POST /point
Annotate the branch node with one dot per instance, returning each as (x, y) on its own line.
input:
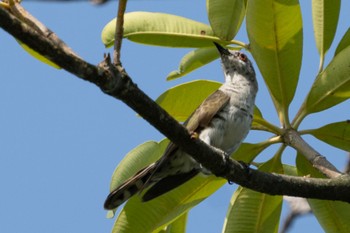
(114, 79)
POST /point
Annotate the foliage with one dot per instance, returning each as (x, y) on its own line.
(275, 32)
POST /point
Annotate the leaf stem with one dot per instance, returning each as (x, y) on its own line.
(240, 43)
(272, 128)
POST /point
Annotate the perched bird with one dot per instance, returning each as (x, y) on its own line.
(223, 120)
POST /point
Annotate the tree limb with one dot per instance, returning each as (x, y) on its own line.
(114, 81)
(292, 138)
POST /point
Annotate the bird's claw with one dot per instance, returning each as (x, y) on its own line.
(243, 165)
(194, 135)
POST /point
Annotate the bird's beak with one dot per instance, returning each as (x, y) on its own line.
(221, 49)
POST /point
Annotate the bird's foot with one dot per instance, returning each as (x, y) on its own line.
(194, 135)
(244, 166)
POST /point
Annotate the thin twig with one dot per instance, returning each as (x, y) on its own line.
(119, 30)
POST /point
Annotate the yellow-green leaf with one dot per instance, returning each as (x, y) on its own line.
(162, 30)
(345, 42)
(336, 134)
(38, 55)
(259, 123)
(275, 34)
(136, 159)
(178, 226)
(251, 211)
(138, 216)
(248, 151)
(332, 86)
(333, 216)
(325, 15)
(193, 60)
(180, 101)
(226, 17)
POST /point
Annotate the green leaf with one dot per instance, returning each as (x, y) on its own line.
(275, 33)
(178, 226)
(136, 159)
(226, 17)
(137, 216)
(333, 216)
(332, 86)
(247, 152)
(290, 170)
(336, 134)
(259, 123)
(180, 101)
(162, 30)
(345, 42)
(251, 211)
(193, 60)
(37, 55)
(325, 15)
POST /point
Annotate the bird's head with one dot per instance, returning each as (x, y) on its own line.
(235, 62)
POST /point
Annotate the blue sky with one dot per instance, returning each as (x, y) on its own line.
(61, 137)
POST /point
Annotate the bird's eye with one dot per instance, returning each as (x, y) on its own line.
(243, 57)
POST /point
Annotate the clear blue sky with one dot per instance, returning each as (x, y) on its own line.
(61, 137)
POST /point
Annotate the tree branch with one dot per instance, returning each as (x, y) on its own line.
(292, 138)
(114, 81)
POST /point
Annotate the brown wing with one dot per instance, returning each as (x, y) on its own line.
(206, 111)
(198, 120)
(202, 116)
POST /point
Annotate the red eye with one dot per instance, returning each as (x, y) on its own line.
(243, 57)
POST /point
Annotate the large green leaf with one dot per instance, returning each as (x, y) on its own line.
(137, 216)
(226, 17)
(251, 211)
(178, 226)
(248, 151)
(332, 86)
(275, 33)
(332, 215)
(162, 30)
(325, 15)
(345, 42)
(193, 60)
(180, 101)
(336, 134)
(136, 159)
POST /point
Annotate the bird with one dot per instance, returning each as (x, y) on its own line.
(222, 120)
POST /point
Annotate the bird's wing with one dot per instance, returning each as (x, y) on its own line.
(206, 111)
(168, 183)
(199, 119)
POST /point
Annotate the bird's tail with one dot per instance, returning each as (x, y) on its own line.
(130, 187)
